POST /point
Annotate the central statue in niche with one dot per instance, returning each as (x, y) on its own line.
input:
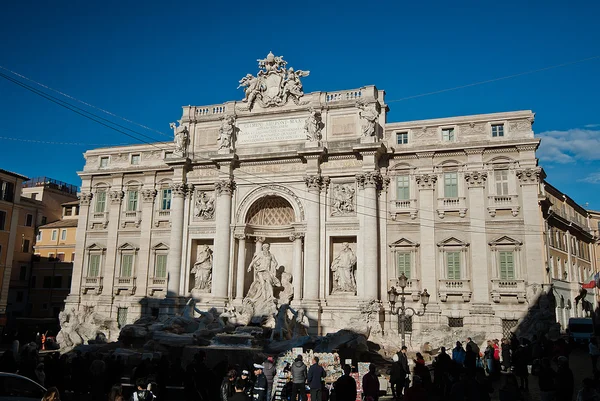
(265, 276)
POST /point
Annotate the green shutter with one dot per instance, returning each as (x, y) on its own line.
(100, 202)
(453, 265)
(507, 265)
(403, 263)
(403, 188)
(126, 265)
(450, 185)
(94, 266)
(160, 269)
(132, 198)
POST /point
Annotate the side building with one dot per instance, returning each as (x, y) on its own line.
(346, 202)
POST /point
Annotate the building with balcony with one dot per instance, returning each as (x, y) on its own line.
(453, 203)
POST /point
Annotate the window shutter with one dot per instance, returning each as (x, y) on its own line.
(160, 270)
(126, 263)
(403, 263)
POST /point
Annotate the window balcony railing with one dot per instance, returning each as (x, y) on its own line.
(508, 288)
(99, 217)
(452, 205)
(156, 284)
(94, 284)
(126, 284)
(406, 206)
(413, 287)
(459, 288)
(503, 202)
(134, 217)
(162, 216)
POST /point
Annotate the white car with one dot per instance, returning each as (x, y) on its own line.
(14, 387)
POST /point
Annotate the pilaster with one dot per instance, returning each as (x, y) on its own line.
(426, 186)
(223, 190)
(370, 182)
(143, 264)
(174, 259)
(111, 265)
(313, 241)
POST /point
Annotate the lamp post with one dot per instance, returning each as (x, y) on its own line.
(402, 310)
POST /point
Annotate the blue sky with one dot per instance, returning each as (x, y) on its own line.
(144, 60)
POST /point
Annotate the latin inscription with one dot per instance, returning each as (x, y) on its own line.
(291, 129)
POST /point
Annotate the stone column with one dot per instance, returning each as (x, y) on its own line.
(370, 183)
(297, 266)
(241, 266)
(224, 189)
(426, 185)
(110, 266)
(312, 240)
(174, 259)
(85, 199)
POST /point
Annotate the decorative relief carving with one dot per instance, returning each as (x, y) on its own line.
(116, 196)
(475, 179)
(368, 115)
(148, 195)
(424, 133)
(520, 125)
(472, 129)
(204, 206)
(426, 181)
(178, 189)
(224, 187)
(313, 126)
(342, 199)
(181, 137)
(313, 182)
(274, 84)
(529, 175)
(85, 198)
(369, 180)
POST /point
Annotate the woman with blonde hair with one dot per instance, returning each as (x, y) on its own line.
(51, 394)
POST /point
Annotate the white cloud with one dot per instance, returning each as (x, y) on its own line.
(593, 178)
(569, 146)
(592, 125)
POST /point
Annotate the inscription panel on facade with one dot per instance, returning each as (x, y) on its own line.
(290, 129)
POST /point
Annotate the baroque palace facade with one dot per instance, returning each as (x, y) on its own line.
(345, 200)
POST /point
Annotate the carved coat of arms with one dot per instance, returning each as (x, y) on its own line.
(274, 84)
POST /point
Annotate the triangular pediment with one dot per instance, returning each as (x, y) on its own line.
(452, 241)
(128, 247)
(161, 246)
(505, 240)
(95, 247)
(403, 242)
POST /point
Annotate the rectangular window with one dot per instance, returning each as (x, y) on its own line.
(25, 245)
(73, 257)
(34, 196)
(23, 273)
(19, 296)
(39, 236)
(47, 282)
(100, 202)
(507, 265)
(50, 256)
(57, 282)
(103, 162)
(160, 266)
(60, 257)
(7, 191)
(121, 317)
(132, 201)
(94, 266)
(497, 130)
(451, 185)
(126, 265)
(54, 235)
(135, 159)
(29, 220)
(455, 322)
(165, 199)
(2, 220)
(448, 135)
(501, 179)
(403, 187)
(44, 220)
(63, 235)
(453, 265)
(68, 211)
(403, 263)
(402, 138)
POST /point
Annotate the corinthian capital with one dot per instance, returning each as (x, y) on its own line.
(313, 182)
(116, 196)
(224, 187)
(85, 198)
(426, 181)
(369, 180)
(475, 179)
(148, 195)
(178, 189)
(529, 175)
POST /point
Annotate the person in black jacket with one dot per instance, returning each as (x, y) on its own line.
(315, 375)
(240, 391)
(299, 379)
(227, 387)
(396, 377)
(345, 386)
(259, 391)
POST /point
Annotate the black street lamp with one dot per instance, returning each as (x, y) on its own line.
(402, 309)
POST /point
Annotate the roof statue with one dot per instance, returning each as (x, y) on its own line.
(274, 84)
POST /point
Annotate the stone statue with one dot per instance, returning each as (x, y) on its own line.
(274, 83)
(286, 295)
(181, 135)
(265, 269)
(204, 206)
(301, 323)
(202, 269)
(312, 126)
(81, 326)
(343, 199)
(370, 312)
(369, 116)
(226, 133)
(229, 315)
(343, 270)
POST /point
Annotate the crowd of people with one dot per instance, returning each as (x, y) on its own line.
(467, 372)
